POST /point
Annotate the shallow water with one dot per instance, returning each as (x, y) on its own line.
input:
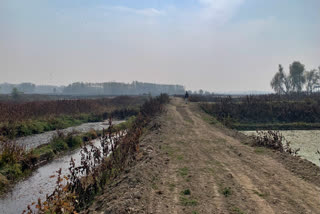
(34, 141)
(307, 140)
(38, 184)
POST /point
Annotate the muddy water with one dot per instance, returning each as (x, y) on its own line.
(38, 184)
(36, 140)
(307, 140)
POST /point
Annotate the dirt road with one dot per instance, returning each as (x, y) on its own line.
(190, 166)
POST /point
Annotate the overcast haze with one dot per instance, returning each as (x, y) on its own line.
(216, 45)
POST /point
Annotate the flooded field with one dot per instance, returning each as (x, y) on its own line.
(307, 140)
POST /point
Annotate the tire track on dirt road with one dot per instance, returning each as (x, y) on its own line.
(196, 167)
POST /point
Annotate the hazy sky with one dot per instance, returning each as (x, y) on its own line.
(216, 45)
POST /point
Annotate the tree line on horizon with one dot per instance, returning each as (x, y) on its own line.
(29, 88)
(297, 80)
(81, 88)
(117, 88)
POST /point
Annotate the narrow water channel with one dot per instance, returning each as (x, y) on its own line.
(34, 141)
(39, 184)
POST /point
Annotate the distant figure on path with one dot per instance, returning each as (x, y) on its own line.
(186, 97)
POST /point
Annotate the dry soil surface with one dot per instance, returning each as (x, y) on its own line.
(187, 165)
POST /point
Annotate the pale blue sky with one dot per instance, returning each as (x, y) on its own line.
(217, 45)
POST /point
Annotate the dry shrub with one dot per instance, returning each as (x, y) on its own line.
(11, 152)
(13, 112)
(274, 140)
(99, 166)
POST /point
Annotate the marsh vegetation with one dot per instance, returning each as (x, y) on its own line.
(74, 191)
(285, 112)
(27, 118)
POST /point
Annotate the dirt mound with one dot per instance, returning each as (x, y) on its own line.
(186, 165)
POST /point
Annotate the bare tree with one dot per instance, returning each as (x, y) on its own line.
(279, 82)
(312, 78)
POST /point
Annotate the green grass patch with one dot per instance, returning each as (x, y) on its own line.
(58, 144)
(73, 141)
(188, 202)
(237, 210)
(12, 171)
(227, 191)
(37, 126)
(210, 119)
(154, 186)
(43, 149)
(154, 183)
(208, 170)
(259, 150)
(125, 125)
(180, 157)
(259, 194)
(171, 187)
(211, 170)
(186, 192)
(183, 171)
(181, 142)
(168, 149)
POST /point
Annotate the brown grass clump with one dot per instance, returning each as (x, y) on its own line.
(274, 140)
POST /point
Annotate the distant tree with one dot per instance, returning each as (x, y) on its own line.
(201, 92)
(279, 82)
(295, 81)
(288, 84)
(15, 93)
(297, 76)
(312, 79)
(26, 87)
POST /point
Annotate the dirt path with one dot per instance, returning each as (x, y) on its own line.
(190, 166)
